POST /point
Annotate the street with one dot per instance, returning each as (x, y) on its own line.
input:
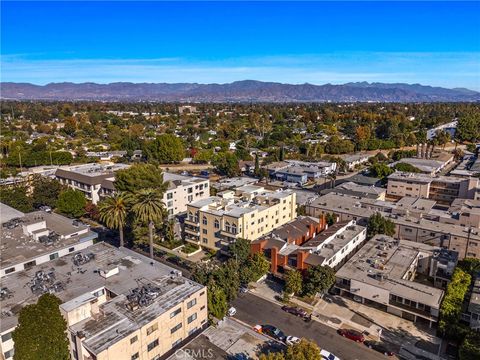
(254, 310)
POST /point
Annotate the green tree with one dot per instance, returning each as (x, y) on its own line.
(272, 356)
(166, 149)
(45, 191)
(72, 203)
(256, 171)
(147, 205)
(470, 348)
(16, 197)
(405, 167)
(380, 170)
(226, 164)
(240, 250)
(138, 177)
(258, 265)
(113, 212)
(304, 350)
(41, 331)
(442, 137)
(331, 219)
(217, 301)
(468, 128)
(318, 279)
(293, 282)
(377, 224)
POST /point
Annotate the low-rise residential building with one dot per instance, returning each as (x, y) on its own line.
(249, 212)
(353, 189)
(306, 242)
(88, 178)
(443, 189)
(463, 212)
(183, 190)
(415, 226)
(39, 237)
(384, 273)
(472, 315)
(450, 128)
(118, 304)
(354, 160)
(300, 171)
(426, 166)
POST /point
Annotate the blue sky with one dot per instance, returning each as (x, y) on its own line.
(434, 43)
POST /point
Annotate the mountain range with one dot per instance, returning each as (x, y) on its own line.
(239, 91)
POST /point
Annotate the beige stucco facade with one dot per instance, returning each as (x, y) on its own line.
(249, 213)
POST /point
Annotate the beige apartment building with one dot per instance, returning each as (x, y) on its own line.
(248, 212)
(414, 221)
(443, 189)
(118, 304)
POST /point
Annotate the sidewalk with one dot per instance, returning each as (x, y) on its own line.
(376, 324)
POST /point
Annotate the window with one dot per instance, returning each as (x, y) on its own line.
(204, 231)
(153, 328)
(189, 190)
(191, 303)
(204, 220)
(29, 265)
(227, 227)
(190, 198)
(6, 337)
(192, 331)
(170, 203)
(217, 224)
(8, 354)
(205, 240)
(192, 318)
(135, 356)
(177, 342)
(234, 228)
(99, 293)
(169, 196)
(8, 271)
(53, 256)
(133, 339)
(175, 313)
(202, 293)
(175, 328)
(72, 249)
(152, 345)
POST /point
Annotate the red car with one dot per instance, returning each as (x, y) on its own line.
(352, 334)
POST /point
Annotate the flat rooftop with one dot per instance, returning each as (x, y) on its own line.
(17, 247)
(392, 259)
(423, 178)
(8, 213)
(90, 174)
(78, 283)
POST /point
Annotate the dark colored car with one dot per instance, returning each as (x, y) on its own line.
(380, 347)
(352, 334)
(295, 311)
(274, 332)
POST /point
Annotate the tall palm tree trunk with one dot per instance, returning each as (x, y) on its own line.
(150, 236)
(120, 230)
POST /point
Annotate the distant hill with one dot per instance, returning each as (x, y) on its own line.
(239, 91)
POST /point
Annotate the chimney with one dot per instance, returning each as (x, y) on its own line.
(301, 257)
(274, 260)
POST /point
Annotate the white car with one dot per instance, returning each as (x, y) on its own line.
(292, 340)
(232, 311)
(328, 355)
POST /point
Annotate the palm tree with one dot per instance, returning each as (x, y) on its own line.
(148, 209)
(113, 212)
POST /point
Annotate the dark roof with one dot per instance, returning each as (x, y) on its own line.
(295, 228)
(314, 259)
(360, 179)
(84, 179)
(108, 184)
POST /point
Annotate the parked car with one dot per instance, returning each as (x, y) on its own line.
(328, 355)
(46, 208)
(380, 347)
(244, 289)
(232, 311)
(352, 334)
(295, 311)
(292, 340)
(274, 332)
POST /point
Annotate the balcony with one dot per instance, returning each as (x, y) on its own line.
(192, 222)
(193, 230)
(228, 234)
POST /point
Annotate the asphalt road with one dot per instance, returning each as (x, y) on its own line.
(254, 310)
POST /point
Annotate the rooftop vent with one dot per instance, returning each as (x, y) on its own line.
(5, 293)
(45, 282)
(80, 258)
(142, 296)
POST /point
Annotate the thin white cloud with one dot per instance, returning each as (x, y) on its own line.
(439, 69)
